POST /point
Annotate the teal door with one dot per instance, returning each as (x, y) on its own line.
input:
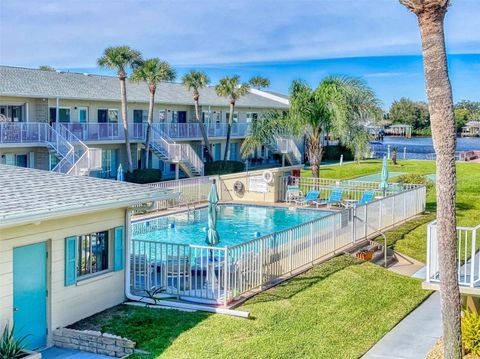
(30, 294)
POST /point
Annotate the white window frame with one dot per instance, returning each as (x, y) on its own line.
(57, 120)
(108, 114)
(80, 109)
(110, 243)
(249, 116)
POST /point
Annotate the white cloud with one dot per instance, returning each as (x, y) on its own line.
(73, 33)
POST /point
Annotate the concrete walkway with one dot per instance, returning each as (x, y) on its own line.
(60, 353)
(415, 335)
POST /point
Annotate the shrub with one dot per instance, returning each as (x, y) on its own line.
(471, 333)
(11, 347)
(414, 178)
(224, 167)
(142, 176)
(332, 153)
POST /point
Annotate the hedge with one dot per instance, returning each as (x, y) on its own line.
(223, 167)
(142, 176)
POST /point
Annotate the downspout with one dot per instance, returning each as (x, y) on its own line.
(163, 303)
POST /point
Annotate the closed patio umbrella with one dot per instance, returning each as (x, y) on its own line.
(120, 176)
(212, 235)
(384, 176)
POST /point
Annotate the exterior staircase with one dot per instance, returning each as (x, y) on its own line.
(168, 150)
(75, 157)
(288, 148)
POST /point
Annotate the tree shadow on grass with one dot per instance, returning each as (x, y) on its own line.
(302, 282)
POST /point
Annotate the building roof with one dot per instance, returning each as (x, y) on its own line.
(25, 82)
(28, 195)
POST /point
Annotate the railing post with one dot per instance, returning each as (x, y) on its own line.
(353, 211)
(429, 252)
(405, 206)
(393, 209)
(380, 214)
(290, 251)
(472, 258)
(311, 243)
(225, 279)
(365, 228)
(261, 260)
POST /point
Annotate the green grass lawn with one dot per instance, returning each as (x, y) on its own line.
(338, 309)
(410, 238)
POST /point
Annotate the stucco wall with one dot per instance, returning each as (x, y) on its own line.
(66, 304)
(272, 190)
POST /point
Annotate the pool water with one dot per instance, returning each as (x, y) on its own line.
(236, 224)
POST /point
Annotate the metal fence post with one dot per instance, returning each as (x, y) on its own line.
(311, 243)
(225, 279)
(261, 262)
(393, 210)
(472, 258)
(429, 259)
(365, 229)
(353, 211)
(290, 251)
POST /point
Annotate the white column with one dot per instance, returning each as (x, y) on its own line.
(57, 110)
(27, 119)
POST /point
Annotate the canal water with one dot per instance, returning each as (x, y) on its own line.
(419, 147)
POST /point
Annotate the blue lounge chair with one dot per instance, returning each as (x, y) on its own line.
(335, 198)
(311, 197)
(367, 197)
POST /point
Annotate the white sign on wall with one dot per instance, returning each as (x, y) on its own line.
(257, 184)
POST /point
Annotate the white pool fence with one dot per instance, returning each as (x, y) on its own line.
(220, 275)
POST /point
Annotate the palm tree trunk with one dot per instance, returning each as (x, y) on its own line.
(123, 92)
(229, 131)
(315, 152)
(204, 132)
(440, 105)
(149, 126)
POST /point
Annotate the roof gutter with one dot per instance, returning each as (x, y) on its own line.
(65, 212)
(163, 303)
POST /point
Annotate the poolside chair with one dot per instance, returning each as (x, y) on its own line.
(335, 198)
(367, 197)
(310, 198)
(293, 193)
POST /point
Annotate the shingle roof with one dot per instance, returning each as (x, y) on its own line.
(28, 195)
(24, 82)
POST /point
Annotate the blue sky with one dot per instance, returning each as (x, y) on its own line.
(281, 39)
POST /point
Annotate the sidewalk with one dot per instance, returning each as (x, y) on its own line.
(60, 353)
(415, 335)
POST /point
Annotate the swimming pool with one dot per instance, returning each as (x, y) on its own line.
(236, 224)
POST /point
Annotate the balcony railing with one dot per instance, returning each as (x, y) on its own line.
(468, 256)
(192, 130)
(106, 131)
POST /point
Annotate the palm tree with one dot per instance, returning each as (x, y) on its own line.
(266, 129)
(340, 104)
(120, 58)
(259, 82)
(230, 87)
(431, 15)
(152, 71)
(194, 81)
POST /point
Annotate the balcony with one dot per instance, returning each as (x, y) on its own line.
(468, 259)
(99, 132)
(192, 130)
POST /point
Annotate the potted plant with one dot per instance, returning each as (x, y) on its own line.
(14, 348)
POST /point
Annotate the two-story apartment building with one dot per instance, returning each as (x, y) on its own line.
(54, 120)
